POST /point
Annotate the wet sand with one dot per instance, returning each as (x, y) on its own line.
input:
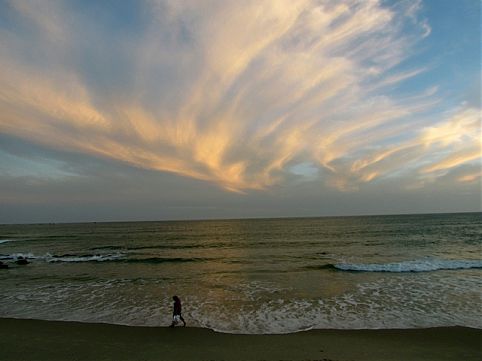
(54, 340)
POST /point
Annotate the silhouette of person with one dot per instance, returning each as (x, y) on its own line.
(176, 314)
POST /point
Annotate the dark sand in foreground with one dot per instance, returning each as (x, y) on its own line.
(51, 340)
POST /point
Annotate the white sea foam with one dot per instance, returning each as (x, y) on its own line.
(6, 240)
(424, 265)
(390, 302)
(299, 291)
(67, 258)
(87, 258)
(16, 256)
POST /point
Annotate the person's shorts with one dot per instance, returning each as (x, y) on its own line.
(176, 318)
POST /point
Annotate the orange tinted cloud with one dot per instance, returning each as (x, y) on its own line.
(233, 93)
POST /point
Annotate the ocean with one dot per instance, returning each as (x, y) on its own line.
(250, 276)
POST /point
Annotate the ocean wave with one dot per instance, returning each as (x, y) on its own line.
(164, 260)
(322, 266)
(6, 240)
(105, 247)
(386, 302)
(63, 258)
(408, 266)
(15, 256)
(149, 247)
(111, 257)
(121, 258)
(179, 246)
(85, 258)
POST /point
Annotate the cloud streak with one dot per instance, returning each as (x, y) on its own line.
(235, 93)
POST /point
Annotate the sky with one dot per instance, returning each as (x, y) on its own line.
(158, 110)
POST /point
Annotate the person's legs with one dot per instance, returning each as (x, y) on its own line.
(175, 320)
(182, 319)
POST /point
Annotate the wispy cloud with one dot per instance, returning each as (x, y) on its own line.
(236, 93)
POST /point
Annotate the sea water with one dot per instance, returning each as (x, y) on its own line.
(250, 276)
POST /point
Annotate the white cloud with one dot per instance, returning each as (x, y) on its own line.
(236, 93)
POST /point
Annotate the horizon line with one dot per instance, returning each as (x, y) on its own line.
(240, 218)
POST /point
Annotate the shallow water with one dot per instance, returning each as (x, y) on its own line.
(250, 276)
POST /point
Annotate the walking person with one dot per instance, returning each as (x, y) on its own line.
(176, 314)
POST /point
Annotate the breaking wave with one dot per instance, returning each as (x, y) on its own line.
(15, 256)
(111, 257)
(85, 258)
(63, 258)
(408, 266)
(6, 240)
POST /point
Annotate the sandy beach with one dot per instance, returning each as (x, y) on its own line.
(54, 340)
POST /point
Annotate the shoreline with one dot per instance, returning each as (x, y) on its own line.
(27, 339)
